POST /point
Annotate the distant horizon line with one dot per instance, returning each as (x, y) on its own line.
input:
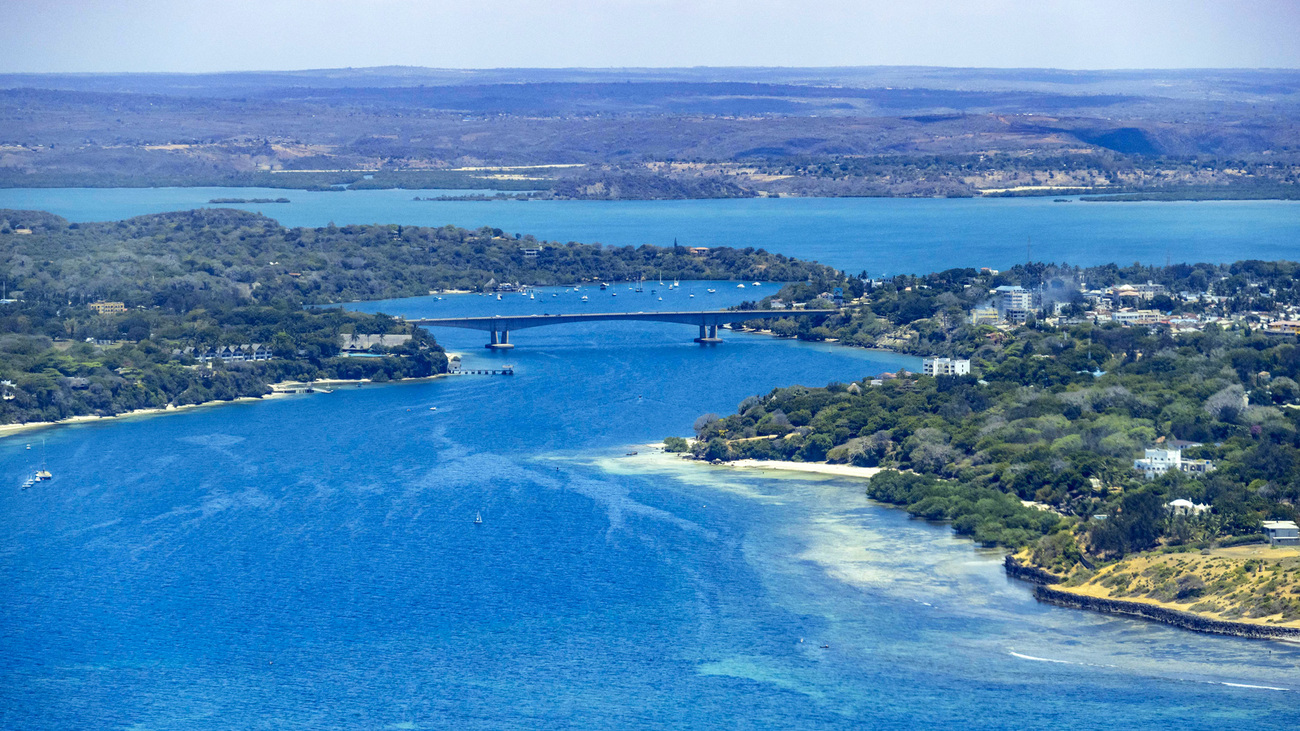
(1061, 69)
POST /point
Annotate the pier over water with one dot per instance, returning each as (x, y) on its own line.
(707, 320)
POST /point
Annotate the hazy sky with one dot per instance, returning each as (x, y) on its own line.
(220, 35)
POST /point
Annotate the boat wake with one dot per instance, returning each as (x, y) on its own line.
(1208, 682)
(1022, 656)
(1039, 659)
(1256, 687)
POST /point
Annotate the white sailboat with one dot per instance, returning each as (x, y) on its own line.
(478, 519)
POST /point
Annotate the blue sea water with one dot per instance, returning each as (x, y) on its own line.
(312, 562)
(879, 235)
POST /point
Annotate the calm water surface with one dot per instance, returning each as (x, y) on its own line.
(311, 562)
(880, 235)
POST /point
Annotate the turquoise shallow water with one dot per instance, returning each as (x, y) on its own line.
(880, 235)
(311, 562)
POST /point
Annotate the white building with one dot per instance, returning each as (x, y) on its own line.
(1014, 302)
(1282, 532)
(1159, 461)
(1136, 317)
(946, 367)
(1186, 507)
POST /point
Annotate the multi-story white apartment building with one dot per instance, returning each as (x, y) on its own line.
(946, 366)
(1014, 302)
(1159, 461)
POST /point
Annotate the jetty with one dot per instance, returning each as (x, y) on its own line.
(503, 371)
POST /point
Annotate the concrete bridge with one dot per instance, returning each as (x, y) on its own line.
(708, 321)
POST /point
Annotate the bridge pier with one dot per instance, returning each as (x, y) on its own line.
(501, 342)
(708, 335)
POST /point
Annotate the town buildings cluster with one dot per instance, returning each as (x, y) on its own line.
(1131, 305)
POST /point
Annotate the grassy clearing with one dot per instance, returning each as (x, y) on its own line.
(1255, 584)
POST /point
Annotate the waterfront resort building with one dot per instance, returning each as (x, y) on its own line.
(108, 308)
(1282, 532)
(946, 367)
(1159, 461)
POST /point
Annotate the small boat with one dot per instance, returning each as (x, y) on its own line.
(756, 284)
(603, 286)
(631, 454)
(43, 475)
(478, 519)
(740, 286)
(433, 408)
(711, 291)
(498, 298)
(584, 298)
(692, 295)
(661, 299)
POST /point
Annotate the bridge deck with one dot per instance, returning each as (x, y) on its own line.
(498, 323)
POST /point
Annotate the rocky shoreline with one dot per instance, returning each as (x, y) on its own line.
(1182, 620)
(1032, 574)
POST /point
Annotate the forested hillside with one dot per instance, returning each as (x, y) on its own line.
(169, 258)
(194, 282)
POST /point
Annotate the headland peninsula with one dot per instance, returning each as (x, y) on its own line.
(1128, 434)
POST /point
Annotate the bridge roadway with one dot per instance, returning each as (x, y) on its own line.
(708, 321)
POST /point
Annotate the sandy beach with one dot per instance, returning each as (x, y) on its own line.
(8, 430)
(278, 390)
(821, 468)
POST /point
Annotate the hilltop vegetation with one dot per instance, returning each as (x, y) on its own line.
(165, 259)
